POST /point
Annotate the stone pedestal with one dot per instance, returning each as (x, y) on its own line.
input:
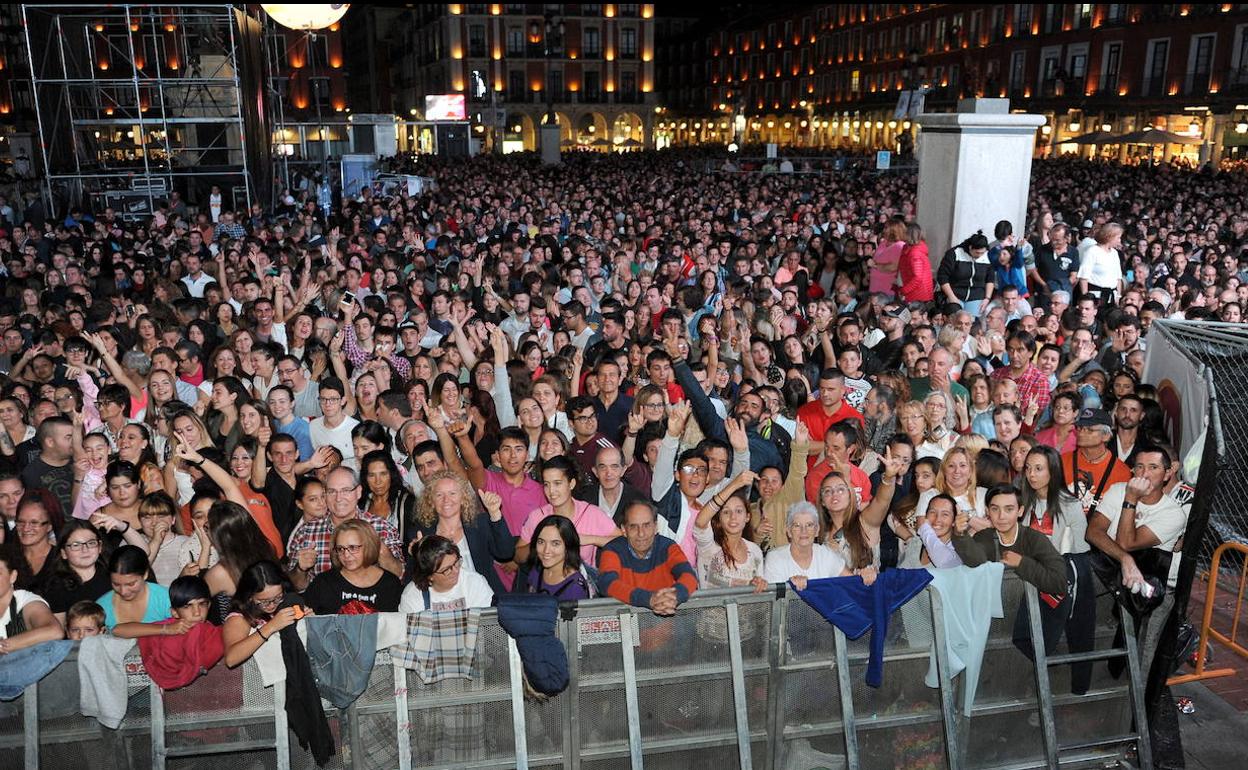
(548, 140)
(974, 171)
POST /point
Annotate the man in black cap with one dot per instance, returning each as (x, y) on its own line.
(893, 323)
(1092, 468)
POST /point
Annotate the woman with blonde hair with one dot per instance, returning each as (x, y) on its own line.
(957, 479)
(938, 414)
(449, 508)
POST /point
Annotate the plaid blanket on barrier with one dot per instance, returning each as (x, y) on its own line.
(440, 645)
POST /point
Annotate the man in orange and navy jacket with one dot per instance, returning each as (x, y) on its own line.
(644, 568)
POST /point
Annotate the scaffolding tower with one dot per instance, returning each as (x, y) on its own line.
(134, 102)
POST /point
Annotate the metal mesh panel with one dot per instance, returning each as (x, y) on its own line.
(1226, 354)
(809, 692)
(477, 726)
(685, 686)
(224, 705)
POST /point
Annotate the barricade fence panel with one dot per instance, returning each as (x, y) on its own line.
(732, 680)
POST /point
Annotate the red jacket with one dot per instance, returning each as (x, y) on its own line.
(176, 661)
(916, 274)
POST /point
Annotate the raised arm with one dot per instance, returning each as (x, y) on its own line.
(877, 510)
(709, 511)
(220, 477)
(114, 367)
(664, 470)
(503, 406)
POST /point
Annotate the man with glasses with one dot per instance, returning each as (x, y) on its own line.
(53, 468)
(573, 317)
(678, 498)
(587, 440)
(334, 427)
(309, 552)
(304, 393)
(1093, 468)
(190, 368)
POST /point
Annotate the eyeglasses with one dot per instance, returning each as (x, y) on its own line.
(693, 470)
(84, 545)
(32, 524)
(344, 549)
(329, 399)
(585, 418)
(267, 604)
(652, 406)
(346, 491)
(450, 570)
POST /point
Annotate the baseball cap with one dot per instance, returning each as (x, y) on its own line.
(1090, 417)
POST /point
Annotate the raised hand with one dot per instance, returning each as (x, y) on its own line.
(493, 504)
(801, 434)
(745, 478)
(677, 417)
(737, 437)
(635, 422)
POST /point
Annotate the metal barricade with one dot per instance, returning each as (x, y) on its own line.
(734, 679)
(1207, 631)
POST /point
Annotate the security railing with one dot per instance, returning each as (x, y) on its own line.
(732, 680)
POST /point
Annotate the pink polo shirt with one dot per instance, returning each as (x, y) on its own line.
(588, 520)
(518, 503)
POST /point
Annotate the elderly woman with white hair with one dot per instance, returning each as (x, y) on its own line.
(802, 559)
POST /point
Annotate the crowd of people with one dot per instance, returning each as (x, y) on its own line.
(618, 377)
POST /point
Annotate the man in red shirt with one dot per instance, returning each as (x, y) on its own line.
(838, 443)
(830, 407)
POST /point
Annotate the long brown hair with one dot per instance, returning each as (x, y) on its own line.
(721, 537)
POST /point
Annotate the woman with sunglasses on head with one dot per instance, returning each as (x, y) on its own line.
(355, 585)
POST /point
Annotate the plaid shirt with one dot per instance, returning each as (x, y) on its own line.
(359, 356)
(440, 645)
(1033, 386)
(319, 534)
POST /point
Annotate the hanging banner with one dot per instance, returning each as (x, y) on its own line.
(1181, 389)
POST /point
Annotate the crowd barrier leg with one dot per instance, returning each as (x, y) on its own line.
(1135, 679)
(738, 687)
(281, 730)
(1044, 689)
(630, 690)
(570, 700)
(30, 723)
(951, 712)
(519, 729)
(157, 724)
(775, 684)
(1206, 623)
(848, 721)
(402, 717)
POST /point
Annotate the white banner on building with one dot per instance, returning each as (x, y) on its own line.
(1181, 390)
